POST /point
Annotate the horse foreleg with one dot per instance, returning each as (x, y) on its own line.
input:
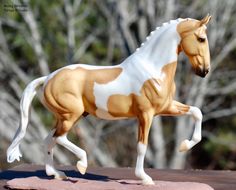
(177, 108)
(145, 120)
(197, 134)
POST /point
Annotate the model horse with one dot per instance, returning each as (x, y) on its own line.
(141, 87)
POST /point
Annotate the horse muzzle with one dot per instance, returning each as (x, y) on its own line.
(202, 72)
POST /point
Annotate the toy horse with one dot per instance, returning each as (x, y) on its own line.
(141, 87)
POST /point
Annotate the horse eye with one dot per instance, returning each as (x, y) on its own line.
(201, 39)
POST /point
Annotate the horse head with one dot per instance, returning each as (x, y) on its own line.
(195, 44)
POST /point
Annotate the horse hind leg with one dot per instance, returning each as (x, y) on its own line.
(49, 143)
(80, 153)
(61, 138)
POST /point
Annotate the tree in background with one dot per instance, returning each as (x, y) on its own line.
(49, 35)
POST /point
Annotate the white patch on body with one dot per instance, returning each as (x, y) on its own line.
(144, 64)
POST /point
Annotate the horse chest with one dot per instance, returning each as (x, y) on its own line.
(159, 93)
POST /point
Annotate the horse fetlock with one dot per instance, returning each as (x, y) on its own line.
(148, 182)
(146, 179)
(51, 171)
(60, 175)
(137, 173)
(84, 156)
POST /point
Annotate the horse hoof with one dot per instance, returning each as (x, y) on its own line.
(184, 146)
(82, 169)
(60, 176)
(148, 182)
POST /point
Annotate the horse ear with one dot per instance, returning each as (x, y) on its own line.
(205, 20)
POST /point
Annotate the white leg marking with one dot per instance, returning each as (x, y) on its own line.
(50, 170)
(80, 153)
(139, 171)
(197, 136)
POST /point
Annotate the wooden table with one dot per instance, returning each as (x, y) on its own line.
(219, 180)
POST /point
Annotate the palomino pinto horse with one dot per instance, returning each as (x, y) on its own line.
(142, 86)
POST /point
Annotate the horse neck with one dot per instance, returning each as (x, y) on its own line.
(159, 50)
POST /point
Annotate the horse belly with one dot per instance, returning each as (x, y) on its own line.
(118, 107)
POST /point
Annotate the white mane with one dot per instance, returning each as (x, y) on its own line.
(165, 24)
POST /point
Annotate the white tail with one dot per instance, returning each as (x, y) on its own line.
(13, 152)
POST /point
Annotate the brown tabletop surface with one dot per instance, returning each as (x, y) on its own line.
(219, 180)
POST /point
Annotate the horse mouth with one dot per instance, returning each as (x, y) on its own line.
(199, 66)
(202, 72)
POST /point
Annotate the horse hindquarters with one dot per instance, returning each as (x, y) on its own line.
(66, 103)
